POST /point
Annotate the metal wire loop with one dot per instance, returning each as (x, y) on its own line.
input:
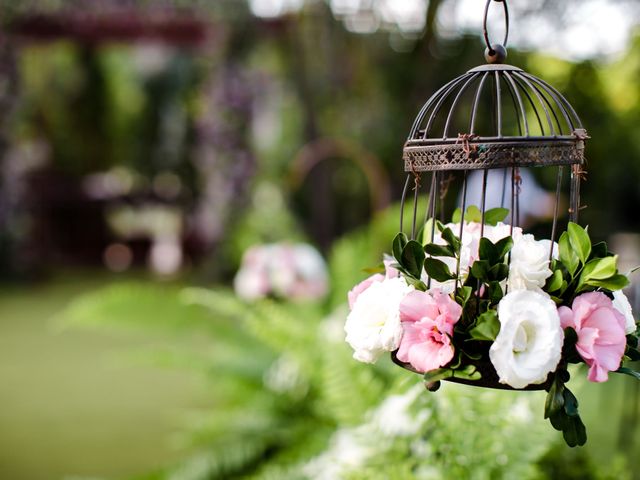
(506, 21)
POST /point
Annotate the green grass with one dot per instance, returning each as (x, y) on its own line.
(71, 403)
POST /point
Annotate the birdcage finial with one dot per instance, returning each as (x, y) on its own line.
(496, 52)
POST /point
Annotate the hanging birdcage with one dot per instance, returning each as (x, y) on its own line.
(527, 123)
(493, 117)
(468, 296)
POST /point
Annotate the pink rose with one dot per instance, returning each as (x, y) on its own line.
(428, 320)
(361, 287)
(601, 333)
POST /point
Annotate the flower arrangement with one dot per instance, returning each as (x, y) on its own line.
(485, 304)
(282, 270)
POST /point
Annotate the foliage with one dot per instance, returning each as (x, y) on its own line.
(576, 464)
(580, 267)
(288, 401)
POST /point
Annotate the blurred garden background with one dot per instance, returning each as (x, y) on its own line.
(147, 146)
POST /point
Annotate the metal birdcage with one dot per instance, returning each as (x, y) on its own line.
(493, 117)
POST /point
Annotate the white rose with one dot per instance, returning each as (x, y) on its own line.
(502, 230)
(373, 326)
(621, 303)
(529, 345)
(529, 267)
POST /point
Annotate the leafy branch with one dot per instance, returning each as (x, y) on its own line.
(561, 408)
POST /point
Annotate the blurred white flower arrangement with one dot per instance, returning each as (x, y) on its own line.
(282, 270)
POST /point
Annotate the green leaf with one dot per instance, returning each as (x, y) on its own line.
(463, 295)
(413, 258)
(570, 403)
(456, 362)
(480, 270)
(417, 283)
(567, 255)
(494, 253)
(473, 356)
(632, 348)
(628, 371)
(503, 247)
(599, 269)
(554, 282)
(561, 408)
(380, 268)
(499, 272)
(559, 420)
(457, 215)
(487, 327)
(451, 239)
(495, 215)
(617, 282)
(420, 235)
(575, 433)
(495, 292)
(398, 245)
(439, 250)
(487, 251)
(437, 375)
(428, 229)
(473, 214)
(467, 373)
(554, 402)
(438, 270)
(580, 241)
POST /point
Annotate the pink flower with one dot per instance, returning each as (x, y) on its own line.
(355, 292)
(428, 320)
(601, 333)
(390, 272)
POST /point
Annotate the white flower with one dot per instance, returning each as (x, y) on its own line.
(621, 303)
(373, 326)
(529, 345)
(251, 284)
(349, 449)
(529, 267)
(394, 418)
(502, 230)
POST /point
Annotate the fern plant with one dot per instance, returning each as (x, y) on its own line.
(288, 402)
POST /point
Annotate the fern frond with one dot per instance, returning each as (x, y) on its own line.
(135, 306)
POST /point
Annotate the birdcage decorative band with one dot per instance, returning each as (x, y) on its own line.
(476, 156)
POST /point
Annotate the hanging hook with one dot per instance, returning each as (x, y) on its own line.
(496, 53)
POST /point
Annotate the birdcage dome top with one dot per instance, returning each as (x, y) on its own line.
(494, 116)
